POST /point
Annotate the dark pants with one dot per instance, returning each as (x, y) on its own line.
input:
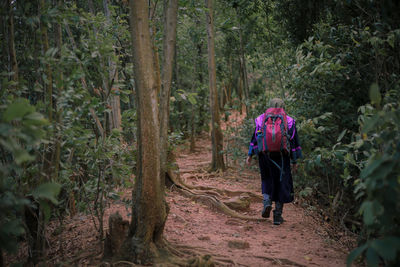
(279, 186)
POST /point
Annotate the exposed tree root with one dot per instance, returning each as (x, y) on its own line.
(208, 199)
(206, 258)
(217, 204)
(212, 190)
(224, 192)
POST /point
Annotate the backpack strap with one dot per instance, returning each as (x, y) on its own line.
(281, 169)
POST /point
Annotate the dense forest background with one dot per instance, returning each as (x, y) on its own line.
(69, 109)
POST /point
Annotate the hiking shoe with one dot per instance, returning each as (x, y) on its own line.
(278, 220)
(267, 209)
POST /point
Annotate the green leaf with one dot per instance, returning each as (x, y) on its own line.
(375, 95)
(355, 253)
(367, 211)
(22, 156)
(372, 257)
(391, 39)
(341, 135)
(384, 169)
(192, 99)
(387, 248)
(35, 118)
(47, 191)
(358, 144)
(318, 160)
(17, 110)
(372, 166)
(45, 207)
(13, 227)
(371, 124)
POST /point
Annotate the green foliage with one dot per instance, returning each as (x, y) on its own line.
(20, 136)
(331, 76)
(67, 155)
(298, 17)
(189, 92)
(379, 183)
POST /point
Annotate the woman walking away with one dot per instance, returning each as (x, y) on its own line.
(276, 142)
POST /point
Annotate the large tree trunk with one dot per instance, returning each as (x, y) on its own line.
(11, 43)
(217, 162)
(149, 209)
(153, 32)
(170, 21)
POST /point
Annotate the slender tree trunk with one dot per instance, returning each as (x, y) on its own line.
(114, 99)
(149, 209)
(192, 115)
(48, 93)
(243, 69)
(170, 21)
(240, 86)
(230, 80)
(49, 74)
(221, 101)
(59, 83)
(192, 131)
(217, 162)
(199, 64)
(11, 43)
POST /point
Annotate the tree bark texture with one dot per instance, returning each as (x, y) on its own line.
(114, 99)
(153, 32)
(149, 210)
(170, 22)
(217, 162)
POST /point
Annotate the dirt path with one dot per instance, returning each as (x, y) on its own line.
(299, 241)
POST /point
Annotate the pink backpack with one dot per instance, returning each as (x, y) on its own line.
(272, 131)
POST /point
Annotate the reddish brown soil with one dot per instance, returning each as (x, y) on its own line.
(302, 240)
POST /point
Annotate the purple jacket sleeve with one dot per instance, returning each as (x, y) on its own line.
(295, 148)
(253, 145)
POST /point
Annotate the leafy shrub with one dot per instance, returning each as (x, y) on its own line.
(21, 133)
(379, 183)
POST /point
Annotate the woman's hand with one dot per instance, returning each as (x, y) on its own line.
(248, 160)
